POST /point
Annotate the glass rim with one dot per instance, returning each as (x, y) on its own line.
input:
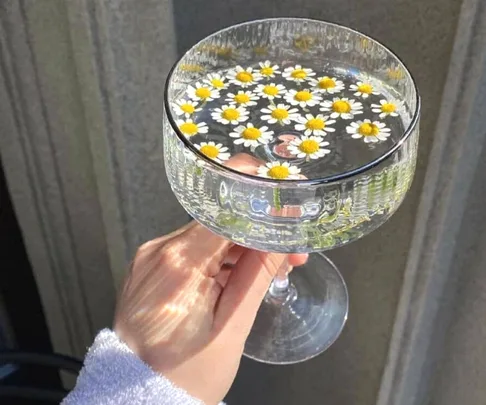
(235, 174)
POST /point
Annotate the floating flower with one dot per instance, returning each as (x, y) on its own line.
(185, 107)
(385, 108)
(279, 171)
(270, 91)
(216, 80)
(268, 70)
(370, 131)
(243, 98)
(230, 114)
(316, 125)
(202, 92)
(216, 152)
(342, 107)
(297, 73)
(309, 147)
(280, 113)
(363, 89)
(243, 77)
(326, 84)
(250, 136)
(190, 128)
(302, 98)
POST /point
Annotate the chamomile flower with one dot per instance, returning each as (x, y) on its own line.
(314, 125)
(243, 98)
(251, 136)
(309, 147)
(371, 132)
(363, 89)
(326, 84)
(298, 74)
(216, 80)
(185, 107)
(279, 171)
(216, 152)
(202, 92)
(230, 114)
(270, 91)
(342, 107)
(243, 77)
(280, 113)
(385, 108)
(302, 98)
(268, 70)
(189, 128)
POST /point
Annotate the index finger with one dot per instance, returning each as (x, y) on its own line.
(204, 246)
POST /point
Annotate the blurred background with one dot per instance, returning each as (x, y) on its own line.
(83, 184)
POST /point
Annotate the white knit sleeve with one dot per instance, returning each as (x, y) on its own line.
(114, 375)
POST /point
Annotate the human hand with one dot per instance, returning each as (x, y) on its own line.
(189, 303)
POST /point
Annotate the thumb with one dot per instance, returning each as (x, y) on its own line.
(245, 290)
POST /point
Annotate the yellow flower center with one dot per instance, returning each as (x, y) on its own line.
(188, 128)
(210, 151)
(242, 98)
(388, 108)
(217, 83)
(365, 88)
(303, 95)
(187, 108)
(299, 74)
(260, 50)
(396, 74)
(231, 114)
(270, 90)
(279, 172)
(368, 129)
(203, 92)
(326, 83)
(341, 107)
(192, 68)
(315, 123)
(280, 114)
(244, 77)
(224, 51)
(266, 71)
(309, 146)
(251, 134)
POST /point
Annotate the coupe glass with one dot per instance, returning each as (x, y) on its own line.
(353, 193)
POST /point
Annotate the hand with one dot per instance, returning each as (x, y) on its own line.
(188, 305)
(190, 301)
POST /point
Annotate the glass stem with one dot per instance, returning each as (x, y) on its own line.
(280, 286)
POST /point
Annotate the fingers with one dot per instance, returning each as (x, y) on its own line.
(223, 276)
(200, 246)
(298, 259)
(244, 291)
(244, 163)
(234, 254)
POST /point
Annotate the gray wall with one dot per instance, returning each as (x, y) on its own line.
(81, 96)
(422, 33)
